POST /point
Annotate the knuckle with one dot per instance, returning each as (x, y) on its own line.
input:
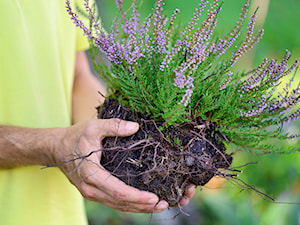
(112, 126)
(90, 128)
(123, 209)
(89, 179)
(115, 124)
(87, 192)
(116, 120)
(86, 175)
(120, 197)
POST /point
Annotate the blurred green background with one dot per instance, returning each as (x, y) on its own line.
(220, 202)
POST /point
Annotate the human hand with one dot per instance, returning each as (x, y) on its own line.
(90, 178)
(188, 194)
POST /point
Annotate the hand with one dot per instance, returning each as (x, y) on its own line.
(91, 179)
(188, 194)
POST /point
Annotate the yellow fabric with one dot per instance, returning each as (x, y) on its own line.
(38, 42)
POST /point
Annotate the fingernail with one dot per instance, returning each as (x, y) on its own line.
(153, 201)
(131, 126)
(190, 189)
(184, 201)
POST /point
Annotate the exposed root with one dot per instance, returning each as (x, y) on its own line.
(164, 161)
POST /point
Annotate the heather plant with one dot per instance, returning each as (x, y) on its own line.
(179, 83)
(175, 74)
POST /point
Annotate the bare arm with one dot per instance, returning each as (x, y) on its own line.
(85, 90)
(20, 146)
(27, 146)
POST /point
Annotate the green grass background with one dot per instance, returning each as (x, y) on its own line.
(275, 175)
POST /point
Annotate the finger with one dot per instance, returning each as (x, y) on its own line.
(96, 188)
(127, 198)
(159, 208)
(92, 173)
(162, 205)
(117, 189)
(184, 201)
(117, 127)
(97, 184)
(93, 194)
(190, 191)
(188, 194)
(125, 193)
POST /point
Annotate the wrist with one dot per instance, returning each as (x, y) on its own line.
(53, 146)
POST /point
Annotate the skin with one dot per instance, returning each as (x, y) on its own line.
(20, 146)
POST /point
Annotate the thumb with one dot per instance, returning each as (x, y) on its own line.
(117, 127)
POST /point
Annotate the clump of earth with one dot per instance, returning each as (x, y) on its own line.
(163, 160)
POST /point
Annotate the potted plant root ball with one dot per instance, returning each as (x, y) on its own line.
(177, 83)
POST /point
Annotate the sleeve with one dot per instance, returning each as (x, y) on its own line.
(82, 42)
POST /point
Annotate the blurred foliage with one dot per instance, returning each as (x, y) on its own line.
(276, 175)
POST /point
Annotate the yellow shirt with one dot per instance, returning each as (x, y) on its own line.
(38, 42)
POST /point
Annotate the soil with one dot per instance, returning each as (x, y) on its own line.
(163, 161)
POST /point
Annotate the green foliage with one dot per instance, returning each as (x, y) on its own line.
(174, 74)
(275, 174)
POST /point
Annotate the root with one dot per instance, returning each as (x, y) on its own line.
(156, 164)
(164, 171)
(164, 161)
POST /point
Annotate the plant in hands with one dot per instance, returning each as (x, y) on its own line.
(178, 82)
(91, 179)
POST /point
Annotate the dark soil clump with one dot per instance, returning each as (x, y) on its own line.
(163, 161)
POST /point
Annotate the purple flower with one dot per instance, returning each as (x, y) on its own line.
(189, 91)
(227, 80)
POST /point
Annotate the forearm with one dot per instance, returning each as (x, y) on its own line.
(21, 146)
(26, 146)
(85, 96)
